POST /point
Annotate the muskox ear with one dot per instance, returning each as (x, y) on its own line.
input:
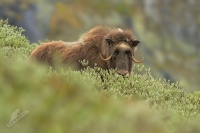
(134, 43)
(109, 41)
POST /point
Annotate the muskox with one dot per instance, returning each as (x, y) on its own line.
(101, 47)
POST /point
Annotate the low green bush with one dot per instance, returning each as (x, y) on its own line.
(9, 53)
(79, 101)
(12, 35)
(142, 85)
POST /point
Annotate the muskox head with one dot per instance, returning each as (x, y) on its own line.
(118, 49)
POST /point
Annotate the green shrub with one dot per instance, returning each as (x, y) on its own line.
(9, 53)
(11, 35)
(142, 85)
(78, 101)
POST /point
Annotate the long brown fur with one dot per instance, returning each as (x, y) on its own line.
(88, 47)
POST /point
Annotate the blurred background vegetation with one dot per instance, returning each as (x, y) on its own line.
(168, 30)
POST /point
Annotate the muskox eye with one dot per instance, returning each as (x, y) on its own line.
(128, 52)
(116, 52)
(109, 41)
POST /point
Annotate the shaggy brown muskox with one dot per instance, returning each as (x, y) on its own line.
(105, 47)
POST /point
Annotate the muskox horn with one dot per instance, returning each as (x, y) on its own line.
(136, 61)
(109, 57)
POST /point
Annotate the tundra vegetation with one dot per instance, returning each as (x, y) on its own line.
(78, 101)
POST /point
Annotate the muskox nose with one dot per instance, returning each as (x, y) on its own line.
(123, 73)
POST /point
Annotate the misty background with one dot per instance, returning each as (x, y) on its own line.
(168, 30)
